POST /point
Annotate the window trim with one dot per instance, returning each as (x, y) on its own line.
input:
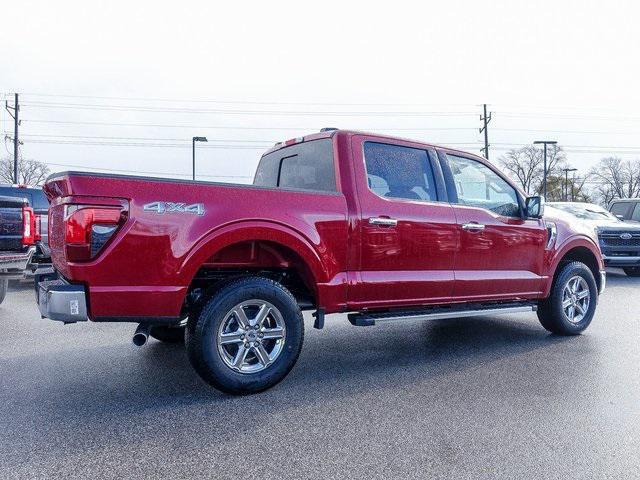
(452, 192)
(435, 171)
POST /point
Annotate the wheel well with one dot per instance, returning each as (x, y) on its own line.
(584, 255)
(262, 258)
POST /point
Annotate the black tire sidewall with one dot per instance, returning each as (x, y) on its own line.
(202, 337)
(559, 323)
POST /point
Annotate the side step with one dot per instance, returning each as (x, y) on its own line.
(440, 313)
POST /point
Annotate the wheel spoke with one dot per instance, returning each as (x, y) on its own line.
(582, 294)
(261, 353)
(262, 314)
(240, 357)
(576, 285)
(241, 316)
(580, 308)
(234, 337)
(571, 312)
(272, 333)
(567, 302)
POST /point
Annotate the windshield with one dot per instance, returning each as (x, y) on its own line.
(585, 211)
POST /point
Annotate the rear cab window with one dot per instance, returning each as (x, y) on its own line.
(307, 166)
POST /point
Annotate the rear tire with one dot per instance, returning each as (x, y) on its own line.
(168, 334)
(572, 302)
(632, 271)
(4, 285)
(247, 337)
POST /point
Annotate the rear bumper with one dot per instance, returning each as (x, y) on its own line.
(61, 301)
(13, 265)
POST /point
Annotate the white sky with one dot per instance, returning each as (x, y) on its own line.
(563, 70)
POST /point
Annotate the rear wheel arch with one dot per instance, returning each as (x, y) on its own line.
(297, 253)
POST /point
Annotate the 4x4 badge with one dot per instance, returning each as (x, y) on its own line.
(172, 207)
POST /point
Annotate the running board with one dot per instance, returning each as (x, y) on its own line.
(439, 313)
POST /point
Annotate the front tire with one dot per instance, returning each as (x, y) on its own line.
(572, 302)
(247, 337)
(632, 271)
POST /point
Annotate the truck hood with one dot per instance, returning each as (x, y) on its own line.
(569, 224)
(554, 214)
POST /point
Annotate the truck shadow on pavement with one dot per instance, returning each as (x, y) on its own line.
(71, 388)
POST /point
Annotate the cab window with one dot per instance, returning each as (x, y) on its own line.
(621, 209)
(304, 166)
(478, 186)
(400, 172)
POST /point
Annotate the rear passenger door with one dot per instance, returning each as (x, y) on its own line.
(407, 231)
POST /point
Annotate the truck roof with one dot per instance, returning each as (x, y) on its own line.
(330, 133)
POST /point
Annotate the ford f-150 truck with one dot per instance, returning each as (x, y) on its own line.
(17, 239)
(380, 228)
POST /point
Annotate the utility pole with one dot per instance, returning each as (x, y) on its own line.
(16, 141)
(544, 176)
(486, 119)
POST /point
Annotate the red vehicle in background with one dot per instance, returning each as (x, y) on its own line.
(381, 228)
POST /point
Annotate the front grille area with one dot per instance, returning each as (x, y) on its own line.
(615, 240)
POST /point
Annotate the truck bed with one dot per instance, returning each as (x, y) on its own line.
(147, 268)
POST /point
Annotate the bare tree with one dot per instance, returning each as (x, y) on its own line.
(526, 166)
(30, 172)
(616, 178)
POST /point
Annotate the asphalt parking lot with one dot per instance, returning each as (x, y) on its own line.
(468, 398)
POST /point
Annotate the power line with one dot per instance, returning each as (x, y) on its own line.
(153, 145)
(227, 127)
(143, 138)
(128, 108)
(586, 132)
(244, 102)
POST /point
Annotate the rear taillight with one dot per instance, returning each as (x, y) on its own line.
(28, 226)
(37, 236)
(88, 228)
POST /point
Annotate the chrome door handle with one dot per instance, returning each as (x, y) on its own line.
(388, 222)
(473, 226)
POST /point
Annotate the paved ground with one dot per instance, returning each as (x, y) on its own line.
(469, 398)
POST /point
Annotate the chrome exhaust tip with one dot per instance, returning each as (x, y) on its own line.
(141, 335)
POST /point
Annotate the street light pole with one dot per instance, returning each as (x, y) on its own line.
(193, 151)
(544, 174)
(566, 183)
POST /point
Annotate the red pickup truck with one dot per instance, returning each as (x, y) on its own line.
(380, 228)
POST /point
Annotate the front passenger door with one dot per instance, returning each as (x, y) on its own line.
(501, 254)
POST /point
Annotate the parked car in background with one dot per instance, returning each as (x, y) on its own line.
(627, 209)
(619, 241)
(38, 202)
(17, 239)
(382, 228)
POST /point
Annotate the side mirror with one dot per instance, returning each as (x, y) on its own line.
(534, 207)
